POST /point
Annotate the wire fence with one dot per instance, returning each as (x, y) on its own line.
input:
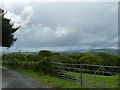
(94, 76)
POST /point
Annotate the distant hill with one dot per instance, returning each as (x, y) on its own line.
(92, 51)
(25, 53)
(110, 51)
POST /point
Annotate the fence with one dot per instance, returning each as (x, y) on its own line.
(94, 76)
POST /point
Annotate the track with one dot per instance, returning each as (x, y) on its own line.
(14, 79)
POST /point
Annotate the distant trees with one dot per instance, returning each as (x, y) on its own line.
(8, 30)
(45, 53)
(42, 62)
(81, 58)
(86, 58)
(91, 59)
(109, 59)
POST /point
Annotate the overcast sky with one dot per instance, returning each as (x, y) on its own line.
(63, 25)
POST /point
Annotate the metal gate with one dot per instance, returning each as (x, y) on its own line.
(94, 76)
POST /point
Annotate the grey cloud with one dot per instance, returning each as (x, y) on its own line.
(68, 25)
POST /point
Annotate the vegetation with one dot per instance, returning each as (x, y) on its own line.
(42, 62)
(8, 30)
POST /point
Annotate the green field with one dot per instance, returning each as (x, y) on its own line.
(95, 80)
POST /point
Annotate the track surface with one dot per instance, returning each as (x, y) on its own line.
(14, 79)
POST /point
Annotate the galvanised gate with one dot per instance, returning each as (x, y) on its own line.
(94, 76)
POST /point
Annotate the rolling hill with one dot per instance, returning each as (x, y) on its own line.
(93, 51)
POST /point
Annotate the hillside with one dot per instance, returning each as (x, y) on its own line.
(92, 51)
(110, 51)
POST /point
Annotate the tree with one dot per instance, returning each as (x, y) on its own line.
(91, 59)
(8, 30)
(45, 53)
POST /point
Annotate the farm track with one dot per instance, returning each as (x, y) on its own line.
(14, 79)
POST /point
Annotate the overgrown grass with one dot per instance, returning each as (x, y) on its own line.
(49, 81)
(96, 80)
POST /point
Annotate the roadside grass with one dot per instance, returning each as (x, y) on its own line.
(96, 80)
(49, 81)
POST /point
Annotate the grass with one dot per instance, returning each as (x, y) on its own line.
(96, 80)
(49, 81)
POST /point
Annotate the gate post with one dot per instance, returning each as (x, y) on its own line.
(81, 81)
(118, 82)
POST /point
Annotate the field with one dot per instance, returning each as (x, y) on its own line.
(95, 80)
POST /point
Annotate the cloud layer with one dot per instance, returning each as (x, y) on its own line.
(64, 26)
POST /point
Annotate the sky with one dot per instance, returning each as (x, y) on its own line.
(61, 26)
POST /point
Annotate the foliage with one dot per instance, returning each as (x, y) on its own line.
(42, 62)
(12, 57)
(33, 57)
(109, 59)
(91, 59)
(8, 31)
(45, 53)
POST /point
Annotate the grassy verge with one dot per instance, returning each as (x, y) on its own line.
(49, 81)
